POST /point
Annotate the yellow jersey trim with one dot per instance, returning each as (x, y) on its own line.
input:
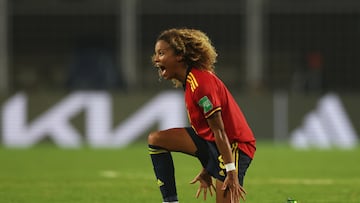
(192, 82)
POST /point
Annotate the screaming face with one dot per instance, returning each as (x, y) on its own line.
(167, 62)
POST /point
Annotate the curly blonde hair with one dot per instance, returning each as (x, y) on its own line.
(195, 47)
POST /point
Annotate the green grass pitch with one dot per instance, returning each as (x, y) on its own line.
(49, 174)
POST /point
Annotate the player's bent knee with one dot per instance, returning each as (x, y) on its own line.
(153, 137)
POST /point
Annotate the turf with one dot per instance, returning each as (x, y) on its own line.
(49, 174)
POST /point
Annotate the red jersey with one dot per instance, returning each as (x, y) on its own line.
(206, 94)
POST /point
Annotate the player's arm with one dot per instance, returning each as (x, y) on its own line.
(222, 142)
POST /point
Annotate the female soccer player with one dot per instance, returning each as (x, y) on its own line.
(219, 135)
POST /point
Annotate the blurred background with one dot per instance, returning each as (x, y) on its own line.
(278, 57)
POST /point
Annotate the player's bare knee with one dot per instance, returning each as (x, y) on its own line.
(153, 137)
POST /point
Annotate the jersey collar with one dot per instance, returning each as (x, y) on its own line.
(187, 73)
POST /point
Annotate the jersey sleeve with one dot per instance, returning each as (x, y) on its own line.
(207, 98)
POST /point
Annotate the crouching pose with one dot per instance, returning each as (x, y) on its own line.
(219, 136)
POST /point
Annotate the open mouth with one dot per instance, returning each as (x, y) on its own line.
(161, 70)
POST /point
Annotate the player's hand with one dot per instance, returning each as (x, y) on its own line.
(205, 183)
(232, 187)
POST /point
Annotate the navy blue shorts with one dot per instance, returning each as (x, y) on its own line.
(212, 161)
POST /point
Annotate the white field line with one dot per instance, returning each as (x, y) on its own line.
(303, 181)
(109, 174)
(287, 181)
(125, 175)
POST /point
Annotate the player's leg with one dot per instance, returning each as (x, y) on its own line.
(161, 143)
(242, 163)
(221, 195)
(174, 139)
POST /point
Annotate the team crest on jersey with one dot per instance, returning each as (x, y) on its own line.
(206, 104)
